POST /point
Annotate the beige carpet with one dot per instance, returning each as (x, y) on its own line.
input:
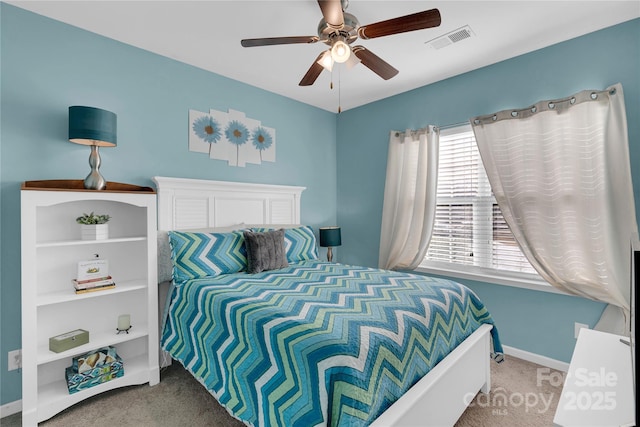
(522, 394)
(517, 399)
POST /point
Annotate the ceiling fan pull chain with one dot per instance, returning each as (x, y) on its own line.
(331, 82)
(339, 91)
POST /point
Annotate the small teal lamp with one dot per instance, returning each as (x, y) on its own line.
(97, 128)
(330, 238)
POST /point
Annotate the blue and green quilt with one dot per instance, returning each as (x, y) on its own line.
(317, 343)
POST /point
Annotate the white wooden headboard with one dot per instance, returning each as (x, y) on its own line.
(196, 203)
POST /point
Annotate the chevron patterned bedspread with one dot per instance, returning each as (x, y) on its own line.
(317, 343)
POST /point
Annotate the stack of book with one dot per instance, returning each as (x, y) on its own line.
(91, 285)
(93, 275)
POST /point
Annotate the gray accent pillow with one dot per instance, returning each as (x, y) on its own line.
(265, 251)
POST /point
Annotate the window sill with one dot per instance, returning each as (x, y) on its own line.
(518, 281)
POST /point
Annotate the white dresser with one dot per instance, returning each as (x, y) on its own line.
(598, 389)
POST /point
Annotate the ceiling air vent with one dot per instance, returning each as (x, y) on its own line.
(450, 38)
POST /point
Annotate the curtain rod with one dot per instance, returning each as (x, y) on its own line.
(426, 129)
(455, 125)
(414, 132)
(544, 106)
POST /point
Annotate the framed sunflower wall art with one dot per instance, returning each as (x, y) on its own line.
(232, 137)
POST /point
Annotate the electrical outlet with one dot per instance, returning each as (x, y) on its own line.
(577, 328)
(15, 360)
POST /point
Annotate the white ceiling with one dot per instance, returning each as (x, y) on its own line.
(207, 34)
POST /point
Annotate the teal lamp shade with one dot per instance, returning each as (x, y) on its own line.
(92, 126)
(330, 238)
(97, 128)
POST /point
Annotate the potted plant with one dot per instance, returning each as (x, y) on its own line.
(94, 227)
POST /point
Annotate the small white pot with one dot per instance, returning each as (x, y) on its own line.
(94, 231)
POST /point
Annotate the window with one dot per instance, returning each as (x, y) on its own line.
(470, 233)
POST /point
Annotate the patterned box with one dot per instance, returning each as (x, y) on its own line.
(94, 359)
(80, 381)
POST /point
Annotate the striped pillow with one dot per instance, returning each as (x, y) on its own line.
(299, 242)
(197, 255)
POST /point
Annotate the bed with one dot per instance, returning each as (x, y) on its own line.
(312, 342)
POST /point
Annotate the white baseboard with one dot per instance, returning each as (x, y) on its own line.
(10, 408)
(536, 358)
(15, 407)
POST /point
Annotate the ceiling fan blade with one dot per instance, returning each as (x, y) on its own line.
(332, 13)
(270, 41)
(312, 73)
(417, 21)
(374, 62)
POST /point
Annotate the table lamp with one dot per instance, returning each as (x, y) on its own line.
(96, 128)
(330, 238)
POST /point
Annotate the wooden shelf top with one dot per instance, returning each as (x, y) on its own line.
(78, 185)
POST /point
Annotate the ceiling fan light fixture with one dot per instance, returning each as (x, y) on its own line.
(326, 60)
(352, 61)
(340, 51)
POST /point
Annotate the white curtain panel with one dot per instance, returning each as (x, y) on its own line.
(409, 206)
(561, 175)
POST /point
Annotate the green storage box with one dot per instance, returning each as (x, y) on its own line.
(68, 340)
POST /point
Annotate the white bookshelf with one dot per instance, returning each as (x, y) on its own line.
(51, 248)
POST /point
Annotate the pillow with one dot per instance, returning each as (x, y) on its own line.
(265, 251)
(271, 226)
(197, 255)
(299, 243)
(165, 265)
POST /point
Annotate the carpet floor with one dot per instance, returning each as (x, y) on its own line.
(522, 394)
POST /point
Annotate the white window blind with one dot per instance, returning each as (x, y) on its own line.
(469, 229)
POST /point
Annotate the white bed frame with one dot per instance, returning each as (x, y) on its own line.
(438, 399)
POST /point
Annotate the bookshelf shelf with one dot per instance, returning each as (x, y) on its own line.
(54, 395)
(87, 242)
(68, 295)
(97, 340)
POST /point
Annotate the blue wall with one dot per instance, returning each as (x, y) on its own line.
(534, 321)
(42, 74)
(48, 66)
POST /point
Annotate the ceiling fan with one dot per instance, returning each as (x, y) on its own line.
(339, 29)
